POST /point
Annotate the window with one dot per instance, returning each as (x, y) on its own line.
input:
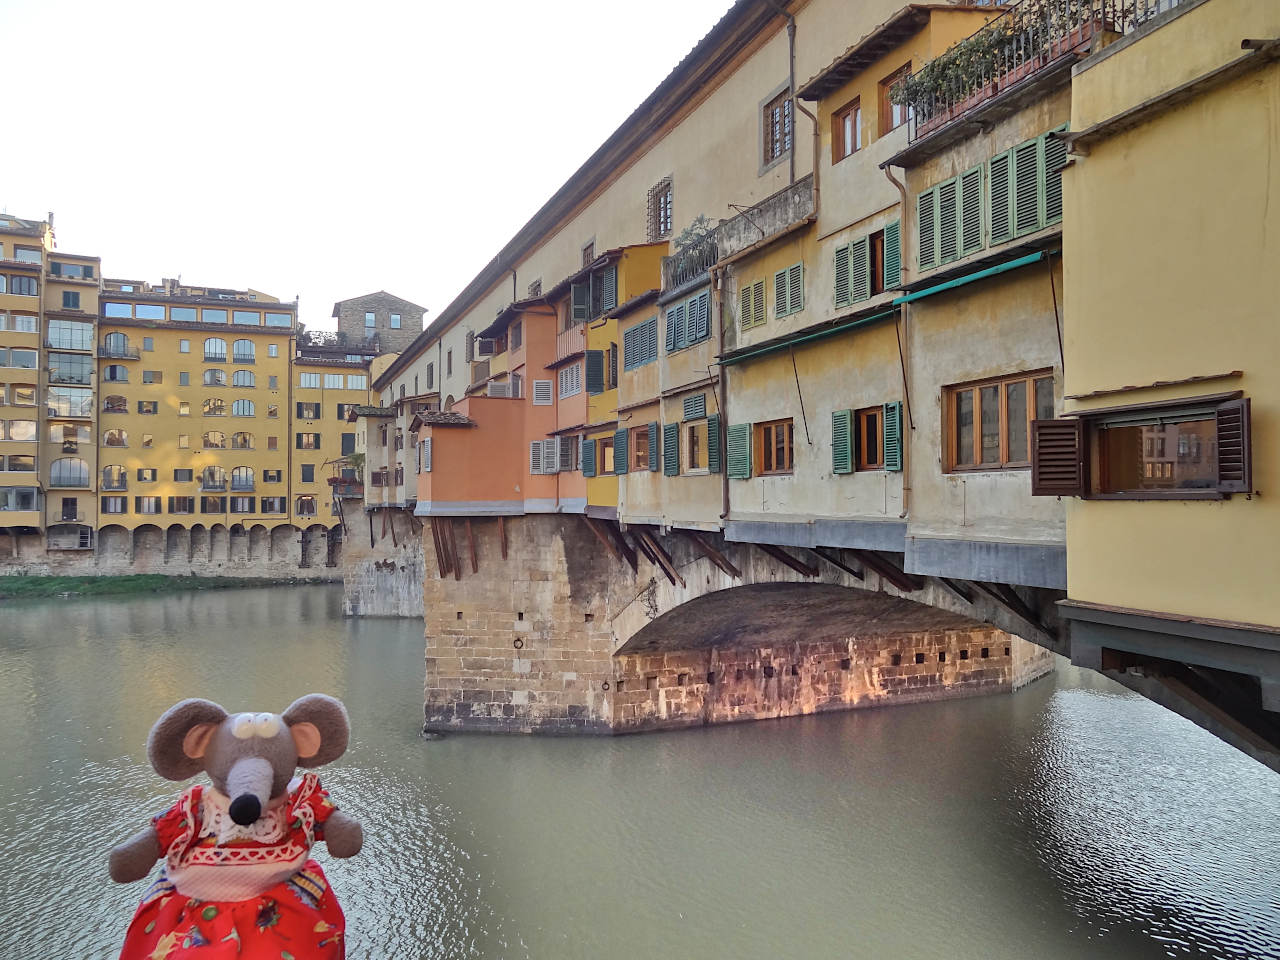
(640, 447)
(117, 309)
(751, 304)
(115, 404)
(69, 472)
(278, 320)
(271, 476)
(27, 254)
(689, 322)
(695, 446)
(146, 504)
(182, 314)
(333, 381)
(604, 455)
(949, 218)
(23, 286)
(309, 381)
(184, 408)
(148, 344)
(115, 477)
(242, 441)
(148, 407)
(893, 115)
(182, 475)
(69, 436)
(273, 350)
(22, 323)
(215, 440)
(184, 346)
(182, 504)
(1025, 187)
(788, 291)
(242, 351)
(273, 411)
(659, 210)
(70, 368)
(75, 271)
(589, 254)
(24, 395)
(273, 443)
(395, 321)
(247, 318)
(348, 444)
(70, 335)
(359, 381)
(19, 498)
(22, 430)
(846, 131)
(989, 423)
(870, 447)
(431, 375)
(448, 363)
(146, 474)
(869, 265)
(152, 376)
(242, 478)
(213, 478)
(215, 350)
(242, 408)
(148, 311)
(213, 504)
(307, 441)
(273, 505)
(115, 437)
(774, 447)
(115, 504)
(570, 380)
(242, 504)
(273, 382)
(184, 441)
(308, 473)
(147, 440)
(777, 128)
(640, 344)
(369, 320)
(243, 378)
(215, 407)
(305, 506)
(308, 411)
(70, 300)
(23, 359)
(20, 463)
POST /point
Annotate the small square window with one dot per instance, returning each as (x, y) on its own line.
(148, 343)
(777, 128)
(273, 350)
(184, 346)
(774, 447)
(846, 131)
(184, 378)
(893, 115)
(184, 441)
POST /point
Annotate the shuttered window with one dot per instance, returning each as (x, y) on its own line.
(424, 455)
(535, 457)
(588, 457)
(713, 443)
(568, 448)
(950, 217)
(842, 275)
(652, 446)
(869, 265)
(892, 419)
(738, 450)
(695, 406)
(1025, 187)
(542, 393)
(841, 441)
(550, 456)
(893, 255)
(689, 322)
(580, 302)
(671, 449)
(860, 269)
(570, 381)
(640, 344)
(620, 451)
(751, 305)
(1057, 467)
(788, 291)
(926, 228)
(595, 372)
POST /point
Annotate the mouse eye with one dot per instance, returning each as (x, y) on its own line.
(267, 724)
(243, 726)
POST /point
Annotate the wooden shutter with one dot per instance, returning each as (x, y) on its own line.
(550, 456)
(744, 306)
(1057, 458)
(671, 449)
(842, 275)
(682, 326)
(926, 233)
(757, 303)
(1235, 467)
(542, 393)
(653, 446)
(1027, 186)
(566, 453)
(1055, 158)
(860, 269)
(620, 451)
(651, 339)
(738, 449)
(595, 371)
(780, 297)
(971, 211)
(611, 380)
(471, 346)
(608, 280)
(671, 329)
(948, 221)
(795, 288)
(695, 407)
(630, 351)
(892, 440)
(893, 255)
(535, 456)
(424, 454)
(588, 457)
(1000, 219)
(713, 443)
(842, 441)
(699, 313)
(581, 302)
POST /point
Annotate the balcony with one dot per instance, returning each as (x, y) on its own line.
(479, 371)
(117, 353)
(346, 488)
(66, 378)
(690, 263)
(215, 358)
(571, 342)
(108, 485)
(768, 218)
(209, 486)
(242, 486)
(1034, 39)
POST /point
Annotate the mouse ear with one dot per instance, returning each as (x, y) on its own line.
(320, 728)
(177, 742)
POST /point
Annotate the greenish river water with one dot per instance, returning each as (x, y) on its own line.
(1071, 820)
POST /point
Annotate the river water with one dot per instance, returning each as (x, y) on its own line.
(1071, 820)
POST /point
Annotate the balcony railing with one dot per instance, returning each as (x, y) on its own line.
(572, 341)
(65, 378)
(241, 486)
(115, 485)
(690, 262)
(769, 217)
(479, 371)
(117, 353)
(1024, 40)
(215, 358)
(209, 486)
(349, 489)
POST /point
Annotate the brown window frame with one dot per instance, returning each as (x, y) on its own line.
(852, 108)
(777, 147)
(695, 433)
(887, 106)
(950, 433)
(875, 251)
(869, 414)
(604, 444)
(764, 451)
(639, 436)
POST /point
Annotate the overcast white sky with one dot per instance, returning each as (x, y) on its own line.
(316, 149)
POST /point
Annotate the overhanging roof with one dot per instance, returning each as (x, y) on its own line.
(900, 27)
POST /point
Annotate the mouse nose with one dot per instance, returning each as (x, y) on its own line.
(245, 809)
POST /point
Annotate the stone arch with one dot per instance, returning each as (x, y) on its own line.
(333, 546)
(115, 546)
(198, 544)
(259, 543)
(147, 546)
(282, 542)
(177, 543)
(237, 544)
(219, 544)
(314, 543)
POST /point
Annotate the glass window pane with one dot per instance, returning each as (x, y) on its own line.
(278, 320)
(1015, 395)
(250, 318)
(182, 314)
(964, 427)
(211, 315)
(117, 310)
(1044, 398)
(989, 404)
(149, 311)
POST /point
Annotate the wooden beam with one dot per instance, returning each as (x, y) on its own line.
(372, 542)
(392, 517)
(799, 566)
(502, 532)
(452, 541)
(835, 561)
(664, 559)
(961, 591)
(889, 570)
(1014, 606)
(644, 547)
(602, 537)
(441, 553)
(628, 551)
(714, 555)
(471, 542)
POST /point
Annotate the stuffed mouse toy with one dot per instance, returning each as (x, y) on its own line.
(237, 879)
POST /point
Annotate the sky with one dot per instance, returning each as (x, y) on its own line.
(317, 150)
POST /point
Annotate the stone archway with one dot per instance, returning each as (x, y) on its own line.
(115, 548)
(259, 543)
(148, 548)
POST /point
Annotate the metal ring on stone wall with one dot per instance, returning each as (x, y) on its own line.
(605, 685)
(518, 643)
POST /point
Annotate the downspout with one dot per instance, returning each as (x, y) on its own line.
(791, 84)
(722, 396)
(904, 332)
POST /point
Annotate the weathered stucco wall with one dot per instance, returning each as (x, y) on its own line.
(382, 576)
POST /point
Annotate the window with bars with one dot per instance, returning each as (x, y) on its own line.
(777, 128)
(988, 424)
(659, 210)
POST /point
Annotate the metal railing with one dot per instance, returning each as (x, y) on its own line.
(690, 262)
(117, 353)
(1019, 43)
(207, 486)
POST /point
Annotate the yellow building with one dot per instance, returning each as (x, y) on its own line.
(325, 388)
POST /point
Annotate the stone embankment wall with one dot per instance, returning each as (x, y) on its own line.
(382, 566)
(280, 553)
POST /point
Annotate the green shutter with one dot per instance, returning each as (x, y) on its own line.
(620, 452)
(595, 371)
(630, 350)
(581, 301)
(757, 303)
(860, 269)
(608, 280)
(699, 317)
(671, 329)
(948, 221)
(671, 449)
(744, 306)
(1028, 187)
(1000, 220)
(1055, 158)
(738, 444)
(893, 435)
(780, 297)
(842, 441)
(682, 326)
(842, 275)
(926, 232)
(588, 457)
(653, 446)
(695, 407)
(795, 288)
(971, 211)
(893, 255)
(713, 443)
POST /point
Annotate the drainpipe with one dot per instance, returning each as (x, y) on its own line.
(903, 224)
(902, 325)
(717, 284)
(791, 83)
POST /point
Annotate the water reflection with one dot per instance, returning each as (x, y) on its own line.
(1071, 820)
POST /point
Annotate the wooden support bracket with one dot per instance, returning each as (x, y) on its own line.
(799, 566)
(452, 540)
(833, 558)
(1011, 602)
(602, 537)
(471, 543)
(714, 555)
(628, 552)
(959, 589)
(664, 558)
(502, 533)
(889, 570)
(441, 553)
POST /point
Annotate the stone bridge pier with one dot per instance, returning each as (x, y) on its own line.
(560, 623)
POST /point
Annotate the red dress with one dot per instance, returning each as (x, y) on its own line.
(228, 892)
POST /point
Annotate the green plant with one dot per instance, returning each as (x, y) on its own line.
(694, 232)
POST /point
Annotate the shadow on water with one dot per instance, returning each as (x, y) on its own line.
(1072, 820)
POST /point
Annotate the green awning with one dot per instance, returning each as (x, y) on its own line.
(971, 277)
